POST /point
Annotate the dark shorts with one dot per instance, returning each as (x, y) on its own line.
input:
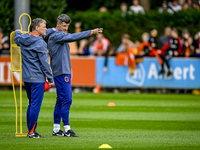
(168, 54)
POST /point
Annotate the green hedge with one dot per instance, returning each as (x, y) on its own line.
(46, 9)
(7, 15)
(115, 25)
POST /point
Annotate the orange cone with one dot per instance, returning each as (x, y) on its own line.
(97, 89)
(111, 104)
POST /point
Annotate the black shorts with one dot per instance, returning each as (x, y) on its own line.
(168, 54)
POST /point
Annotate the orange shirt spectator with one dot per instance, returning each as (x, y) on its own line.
(100, 45)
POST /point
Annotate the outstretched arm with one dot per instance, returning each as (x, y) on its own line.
(68, 37)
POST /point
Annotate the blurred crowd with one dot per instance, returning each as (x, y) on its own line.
(170, 7)
(164, 47)
(4, 43)
(178, 5)
(188, 45)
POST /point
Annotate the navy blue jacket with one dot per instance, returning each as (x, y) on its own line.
(35, 66)
(59, 50)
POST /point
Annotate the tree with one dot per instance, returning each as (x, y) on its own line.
(7, 15)
(48, 10)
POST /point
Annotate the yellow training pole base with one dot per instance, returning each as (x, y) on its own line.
(20, 134)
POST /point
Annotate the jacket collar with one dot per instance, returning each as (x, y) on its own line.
(35, 34)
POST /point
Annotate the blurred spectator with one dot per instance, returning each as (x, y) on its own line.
(100, 45)
(78, 27)
(4, 43)
(91, 41)
(83, 47)
(126, 40)
(185, 34)
(86, 47)
(109, 52)
(187, 47)
(136, 52)
(124, 9)
(196, 6)
(190, 3)
(73, 45)
(164, 7)
(172, 48)
(128, 54)
(185, 6)
(181, 2)
(174, 7)
(122, 46)
(127, 58)
(153, 41)
(102, 9)
(196, 44)
(144, 47)
(136, 8)
(163, 39)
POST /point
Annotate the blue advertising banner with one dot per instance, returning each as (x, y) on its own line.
(186, 74)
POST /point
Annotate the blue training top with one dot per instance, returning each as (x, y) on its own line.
(59, 50)
(35, 66)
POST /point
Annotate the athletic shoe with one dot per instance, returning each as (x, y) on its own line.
(169, 74)
(59, 133)
(70, 133)
(36, 135)
(161, 72)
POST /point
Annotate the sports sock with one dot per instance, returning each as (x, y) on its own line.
(56, 127)
(67, 127)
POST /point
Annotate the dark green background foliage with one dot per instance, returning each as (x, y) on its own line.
(48, 10)
(113, 23)
(7, 15)
(110, 4)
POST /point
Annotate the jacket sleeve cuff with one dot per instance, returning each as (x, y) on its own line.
(18, 32)
(50, 80)
(90, 32)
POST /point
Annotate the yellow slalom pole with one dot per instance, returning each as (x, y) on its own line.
(20, 84)
(21, 69)
(13, 85)
(16, 66)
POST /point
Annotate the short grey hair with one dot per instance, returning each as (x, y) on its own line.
(63, 18)
(37, 23)
(167, 28)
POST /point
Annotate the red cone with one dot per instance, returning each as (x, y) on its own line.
(46, 86)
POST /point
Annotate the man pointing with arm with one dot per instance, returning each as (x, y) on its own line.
(59, 50)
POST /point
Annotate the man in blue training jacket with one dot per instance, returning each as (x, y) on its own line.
(35, 69)
(59, 50)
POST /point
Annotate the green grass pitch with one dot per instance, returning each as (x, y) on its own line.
(138, 121)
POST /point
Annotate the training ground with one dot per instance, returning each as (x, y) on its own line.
(138, 121)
